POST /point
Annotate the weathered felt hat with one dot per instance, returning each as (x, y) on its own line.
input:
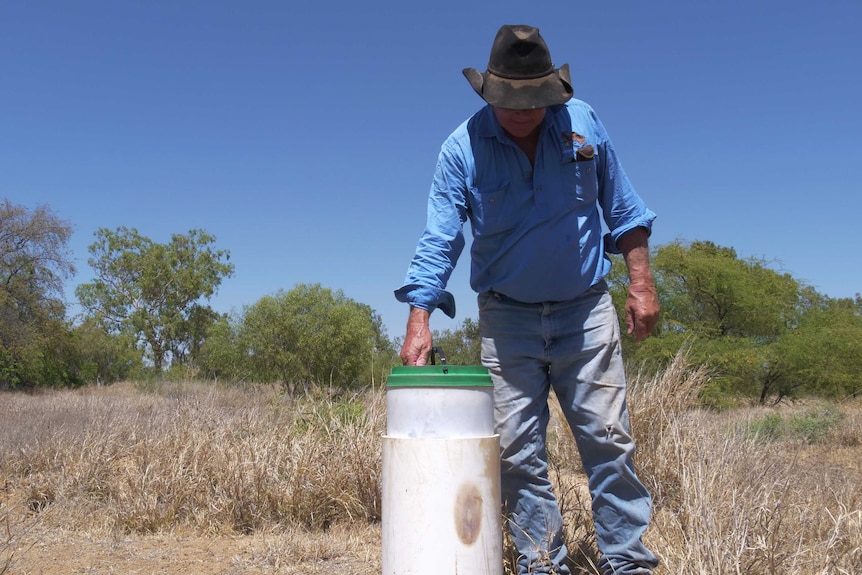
(520, 74)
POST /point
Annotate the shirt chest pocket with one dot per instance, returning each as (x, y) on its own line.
(580, 181)
(494, 209)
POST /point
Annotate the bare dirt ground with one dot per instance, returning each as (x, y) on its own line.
(349, 551)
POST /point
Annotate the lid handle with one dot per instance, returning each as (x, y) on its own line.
(439, 351)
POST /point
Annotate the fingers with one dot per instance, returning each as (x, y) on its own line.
(641, 329)
(409, 357)
(416, 349)
(418, 340)
(417, 359)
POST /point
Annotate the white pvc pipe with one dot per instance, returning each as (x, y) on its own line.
(441, 506)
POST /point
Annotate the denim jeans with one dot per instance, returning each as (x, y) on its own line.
(574, 348)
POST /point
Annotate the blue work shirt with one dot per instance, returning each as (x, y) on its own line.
(537, 229)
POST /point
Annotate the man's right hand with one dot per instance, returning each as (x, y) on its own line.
(417, 340)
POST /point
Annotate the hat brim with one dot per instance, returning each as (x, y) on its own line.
(550, 90)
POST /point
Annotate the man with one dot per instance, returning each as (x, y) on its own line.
(535, 173)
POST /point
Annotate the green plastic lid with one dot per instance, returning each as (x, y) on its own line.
(439, 376)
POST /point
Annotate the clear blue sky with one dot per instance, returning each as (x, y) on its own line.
(304, 135)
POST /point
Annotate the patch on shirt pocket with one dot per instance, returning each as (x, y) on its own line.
(494, 211)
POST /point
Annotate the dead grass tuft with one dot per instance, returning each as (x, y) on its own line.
(729, 498)
(192, 457)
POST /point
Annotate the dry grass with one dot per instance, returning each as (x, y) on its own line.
(169, 478)
(747, 491)
(187, 459)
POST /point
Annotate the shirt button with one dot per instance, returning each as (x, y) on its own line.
(539, 189)
(589, 170)
(491, 201)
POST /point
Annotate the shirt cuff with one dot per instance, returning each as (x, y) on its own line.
(427, 298)
(611, 238)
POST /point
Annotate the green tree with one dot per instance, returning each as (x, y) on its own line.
(155, 291)
(762, 333)
(104, 357)
(34, 263)
(823, 353)
(309, 335)
(731, 310)
(708, 290)
(222, 355)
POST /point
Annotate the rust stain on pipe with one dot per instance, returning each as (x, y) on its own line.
(468, 513)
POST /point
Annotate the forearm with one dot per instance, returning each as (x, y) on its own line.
(634, 246)
(642, 304)
(418, 321)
